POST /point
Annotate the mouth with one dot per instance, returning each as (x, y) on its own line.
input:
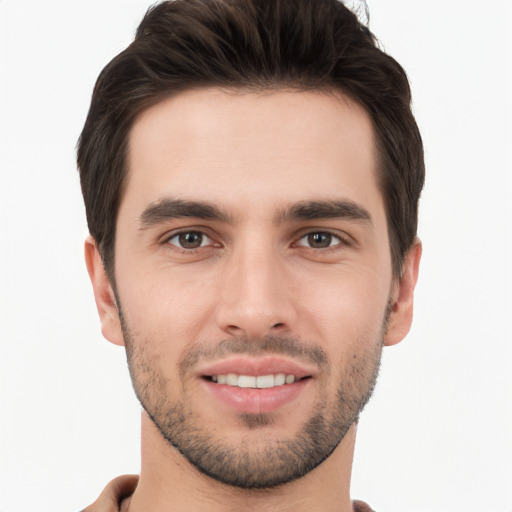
(255, 381)
(256, 386)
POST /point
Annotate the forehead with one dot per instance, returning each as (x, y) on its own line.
(247, 149)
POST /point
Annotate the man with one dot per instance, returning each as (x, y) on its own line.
(251, 172)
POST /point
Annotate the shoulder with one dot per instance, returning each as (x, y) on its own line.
(111, 497)
(361, 506)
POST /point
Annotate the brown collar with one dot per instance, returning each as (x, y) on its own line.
(123, 486)
(114, 493)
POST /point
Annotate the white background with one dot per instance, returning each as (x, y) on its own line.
(437, 435)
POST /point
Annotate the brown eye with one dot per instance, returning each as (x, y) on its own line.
(190, 240)
(319, 240)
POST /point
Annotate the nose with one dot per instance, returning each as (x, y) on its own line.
(256, 296)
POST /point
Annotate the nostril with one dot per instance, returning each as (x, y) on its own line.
(258, 330)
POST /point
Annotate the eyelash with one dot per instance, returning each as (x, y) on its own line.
(176, 246)
(341, 241)
(333, 236)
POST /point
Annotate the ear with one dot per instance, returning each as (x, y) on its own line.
(400, 318)
(103, 294)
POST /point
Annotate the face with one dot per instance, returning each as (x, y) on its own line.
(253, 278)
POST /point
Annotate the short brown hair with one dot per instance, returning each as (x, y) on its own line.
(255, 45)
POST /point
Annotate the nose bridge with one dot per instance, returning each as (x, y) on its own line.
(254, 301)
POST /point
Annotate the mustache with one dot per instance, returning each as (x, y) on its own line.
(269, 345)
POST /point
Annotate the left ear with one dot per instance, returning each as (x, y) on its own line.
(400, 319)
(103, 294)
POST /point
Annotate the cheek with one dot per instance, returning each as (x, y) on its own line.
(349, 321)
(345, 304)
(165, 307)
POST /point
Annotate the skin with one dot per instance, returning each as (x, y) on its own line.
(257, 274)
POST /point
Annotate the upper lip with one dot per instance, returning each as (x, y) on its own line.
(255, 366)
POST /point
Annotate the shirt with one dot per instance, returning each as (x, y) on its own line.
(123, 486)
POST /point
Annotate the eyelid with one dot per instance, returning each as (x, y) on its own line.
(306, 236)
(343, 238)
(167, 237)
(205, 241)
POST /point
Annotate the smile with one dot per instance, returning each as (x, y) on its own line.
(254, 381)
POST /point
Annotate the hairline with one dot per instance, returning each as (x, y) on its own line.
(263, 88)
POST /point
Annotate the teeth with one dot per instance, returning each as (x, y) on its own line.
(279, 379)
(289, 379)
(246, 381)
(232, 379)
(250, 381)
(265, 381)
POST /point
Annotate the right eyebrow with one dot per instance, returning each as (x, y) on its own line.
(167, 209)
(336, 209)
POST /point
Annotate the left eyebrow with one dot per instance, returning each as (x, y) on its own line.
(167, 209)
(316, 210)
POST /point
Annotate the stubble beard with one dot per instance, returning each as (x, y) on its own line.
(254, 465)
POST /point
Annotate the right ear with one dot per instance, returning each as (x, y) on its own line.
(103, 294)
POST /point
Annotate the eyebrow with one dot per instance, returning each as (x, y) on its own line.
(168, 209)
(315, 210)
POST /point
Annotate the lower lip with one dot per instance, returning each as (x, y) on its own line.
(256, 401)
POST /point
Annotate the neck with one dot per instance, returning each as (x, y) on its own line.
(168, 482)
